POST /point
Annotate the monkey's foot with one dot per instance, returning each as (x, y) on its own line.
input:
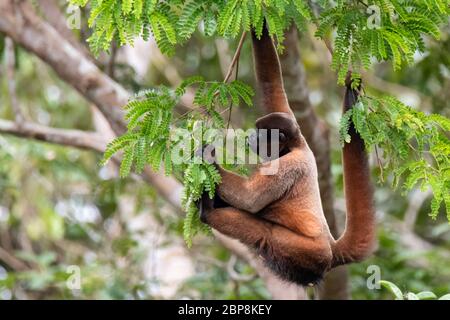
(205, 205)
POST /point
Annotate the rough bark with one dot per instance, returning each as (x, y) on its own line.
(316, 133)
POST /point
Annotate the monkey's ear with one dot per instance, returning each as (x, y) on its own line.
(279, 120)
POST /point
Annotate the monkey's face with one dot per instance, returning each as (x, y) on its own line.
(275, 128)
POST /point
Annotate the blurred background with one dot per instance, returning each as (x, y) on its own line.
(59, 208)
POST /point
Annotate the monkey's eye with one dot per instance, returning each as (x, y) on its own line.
(282, 137)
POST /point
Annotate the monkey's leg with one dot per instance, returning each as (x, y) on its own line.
(237, 224)
(283, 249)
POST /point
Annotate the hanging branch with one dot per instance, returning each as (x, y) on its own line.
(234, 62)
(235, 59)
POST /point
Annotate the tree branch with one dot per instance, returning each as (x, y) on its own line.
(74, 138)
(20, 22)
(235, 59)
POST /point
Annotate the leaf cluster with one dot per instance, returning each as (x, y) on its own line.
(416, 146)
(150, 138)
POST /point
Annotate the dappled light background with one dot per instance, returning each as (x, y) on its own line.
(59, 208)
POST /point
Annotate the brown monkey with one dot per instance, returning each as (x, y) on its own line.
(281, 216)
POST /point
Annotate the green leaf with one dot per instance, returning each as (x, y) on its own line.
(127, 162)
(392, 288)
(445, 297)
(426, 295)
(411, 296)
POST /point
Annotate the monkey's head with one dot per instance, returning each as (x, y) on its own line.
(288, 136)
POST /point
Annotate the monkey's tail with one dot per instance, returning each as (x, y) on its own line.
(268, 73)
(358, 239)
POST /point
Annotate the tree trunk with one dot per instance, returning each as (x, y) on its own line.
(316, 133)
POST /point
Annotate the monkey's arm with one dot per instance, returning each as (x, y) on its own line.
(257, 191)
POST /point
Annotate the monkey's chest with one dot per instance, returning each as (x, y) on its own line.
(299, 220)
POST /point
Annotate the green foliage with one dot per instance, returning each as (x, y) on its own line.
(175, 21)
(198, 178)
(416, 146)
(381, 30)
(399, 295)
(36, 178)
(123, 20)
(214, 283)
(398, 258)
(64, 237)
(149, 139)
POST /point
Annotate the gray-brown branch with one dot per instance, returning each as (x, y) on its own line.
(20, 22)
(73, 138)
(10, 58)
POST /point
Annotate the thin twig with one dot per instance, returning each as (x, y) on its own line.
(236, 74)
(235, 57)
(363, 3)
(10, 74)
(379, 164)
(329, 45)
(231, 67)
(112, 60)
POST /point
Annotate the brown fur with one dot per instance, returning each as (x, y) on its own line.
(281, 216)
(358, 239)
